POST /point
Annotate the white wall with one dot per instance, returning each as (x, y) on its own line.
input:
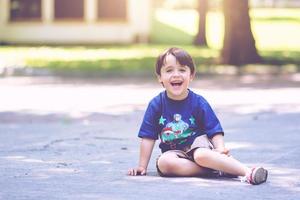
(90, 31)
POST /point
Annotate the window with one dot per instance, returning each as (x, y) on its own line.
(68, 9)
(23, 10)
(112, 9)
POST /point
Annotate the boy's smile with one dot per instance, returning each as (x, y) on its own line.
(175, 78)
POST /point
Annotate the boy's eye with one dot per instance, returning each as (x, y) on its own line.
(169, 70)
(182, 70)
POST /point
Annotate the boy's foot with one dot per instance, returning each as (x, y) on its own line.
(256, 176)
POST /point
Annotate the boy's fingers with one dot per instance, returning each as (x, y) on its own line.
(226, 151)
(143, 173)
(130, 172)
(140, 173)
(135, 172)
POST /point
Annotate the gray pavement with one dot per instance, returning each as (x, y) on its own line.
(75, 139)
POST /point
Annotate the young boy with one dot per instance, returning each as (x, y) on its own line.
(190, 133)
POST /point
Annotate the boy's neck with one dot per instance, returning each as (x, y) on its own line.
(178, 98)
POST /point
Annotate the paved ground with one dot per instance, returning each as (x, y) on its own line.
(75, 139)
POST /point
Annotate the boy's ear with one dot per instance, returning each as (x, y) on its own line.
(159, 79)
(193, 76)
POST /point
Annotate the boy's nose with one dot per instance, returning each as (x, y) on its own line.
(175, 73)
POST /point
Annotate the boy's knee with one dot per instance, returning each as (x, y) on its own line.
(165, 164)
(201, 155)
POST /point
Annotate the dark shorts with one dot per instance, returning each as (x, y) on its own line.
(200, 142)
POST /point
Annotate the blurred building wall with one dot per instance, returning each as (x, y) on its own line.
(275, 3)
(91, 28)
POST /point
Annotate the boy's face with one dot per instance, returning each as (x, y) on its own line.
(175, 78)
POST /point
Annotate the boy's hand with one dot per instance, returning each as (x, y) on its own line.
(222, 151)
(137, 171)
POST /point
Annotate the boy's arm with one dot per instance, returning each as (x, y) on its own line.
(146, 148)
(218, 143)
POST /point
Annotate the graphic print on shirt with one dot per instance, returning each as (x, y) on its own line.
(175, 132)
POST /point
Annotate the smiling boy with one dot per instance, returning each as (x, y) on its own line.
(191, 135)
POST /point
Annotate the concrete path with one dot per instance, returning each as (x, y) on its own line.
(75, 139)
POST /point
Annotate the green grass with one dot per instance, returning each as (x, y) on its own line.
(274, 29)
(287, 15)
(104, 60)
(276, 32)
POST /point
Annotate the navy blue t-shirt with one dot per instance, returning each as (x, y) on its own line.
(178, 123)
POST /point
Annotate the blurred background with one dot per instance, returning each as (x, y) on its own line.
(99, 38)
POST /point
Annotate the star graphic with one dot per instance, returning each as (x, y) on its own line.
(162, 120)
(192, 120)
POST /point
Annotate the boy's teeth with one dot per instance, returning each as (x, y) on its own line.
(176, 84)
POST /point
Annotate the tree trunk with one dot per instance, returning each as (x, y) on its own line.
(239, 44)
(200, 39)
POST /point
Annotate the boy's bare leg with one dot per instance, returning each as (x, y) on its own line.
(172, 165)
(217, 161)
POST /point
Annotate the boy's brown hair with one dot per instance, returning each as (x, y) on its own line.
(182, 57)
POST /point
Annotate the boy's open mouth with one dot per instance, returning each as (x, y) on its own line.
(176, 83)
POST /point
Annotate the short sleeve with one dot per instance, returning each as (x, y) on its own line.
(149, 127)
(210, 123)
